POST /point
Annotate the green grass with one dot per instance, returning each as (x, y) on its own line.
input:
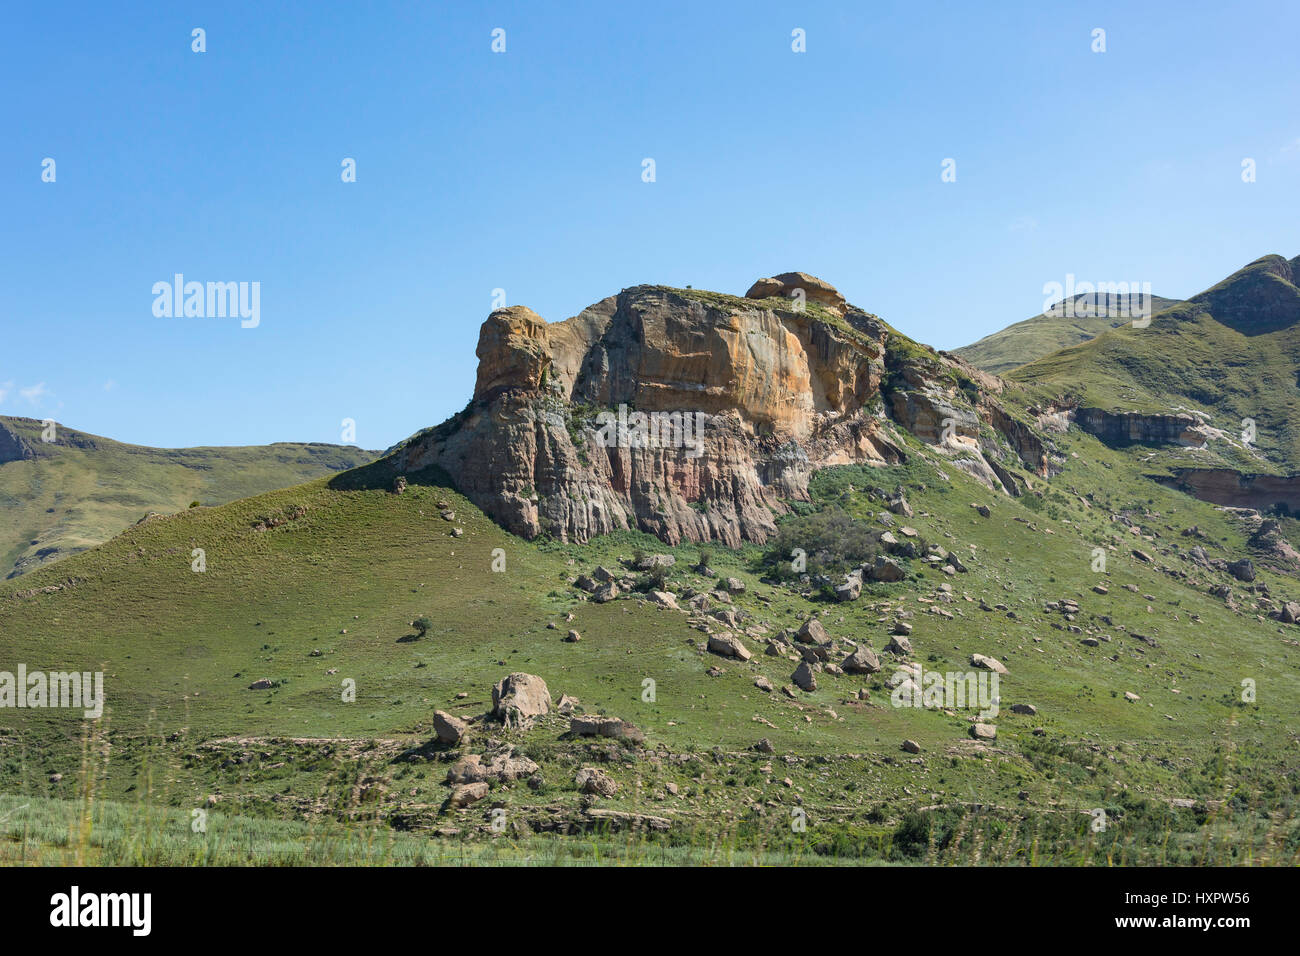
(359, 563)
(1023, 342)
(1203, 355)
(82, 489)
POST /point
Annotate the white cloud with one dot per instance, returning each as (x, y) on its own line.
(34, 393)
(5, 389)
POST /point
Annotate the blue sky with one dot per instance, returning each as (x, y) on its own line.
(522, 171)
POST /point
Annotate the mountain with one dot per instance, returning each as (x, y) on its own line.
(602, 421)
(74, 492)
(1067, 323)
(1213, 381)
(357, 673)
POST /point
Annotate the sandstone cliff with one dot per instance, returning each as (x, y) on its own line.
(697, 416)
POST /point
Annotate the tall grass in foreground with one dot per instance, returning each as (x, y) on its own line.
(44, 831)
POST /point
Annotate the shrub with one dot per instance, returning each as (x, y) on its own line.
(833, 540)
(421, 625)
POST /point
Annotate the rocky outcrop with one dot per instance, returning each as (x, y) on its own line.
(13, 447)
(1223, 486)
(1140, 428)
(698, 416)
(789, 285)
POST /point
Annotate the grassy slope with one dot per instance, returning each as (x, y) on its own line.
(1042, 335)
(179, 650)
(83, 489)
(1195, 357)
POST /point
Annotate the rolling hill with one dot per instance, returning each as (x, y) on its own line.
(61, 497)
(1086, 317)
(1228, 358)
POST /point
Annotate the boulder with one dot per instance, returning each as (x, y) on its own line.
(665, 599)
(1243, 570)
(850, 590)
(596, 782)
(812, 632)
(725, 644)
(595, 725)
(911, 746)
(503, 767)
(886, 569)
(899, 646)
(467, 793)
(787, 283)
(983, 731)
(988, 663)
(803, 677)
(519, 698)
(862, 661)
(449, 729)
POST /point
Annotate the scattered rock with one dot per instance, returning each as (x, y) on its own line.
(728, 645)
(665, 599)
(988, 663)
(467, 793)
(803, 677)
(862, 661)
(886, 569)
(899, 646)
(1243, 570)
(812, 632)
(594, 725)
(450, 730)
(595, 782)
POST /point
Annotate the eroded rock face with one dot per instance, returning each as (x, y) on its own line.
(12, 446)
(697, 416)
(1127, 428)
(1223, 486)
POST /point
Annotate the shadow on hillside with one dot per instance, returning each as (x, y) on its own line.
(381, 475)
